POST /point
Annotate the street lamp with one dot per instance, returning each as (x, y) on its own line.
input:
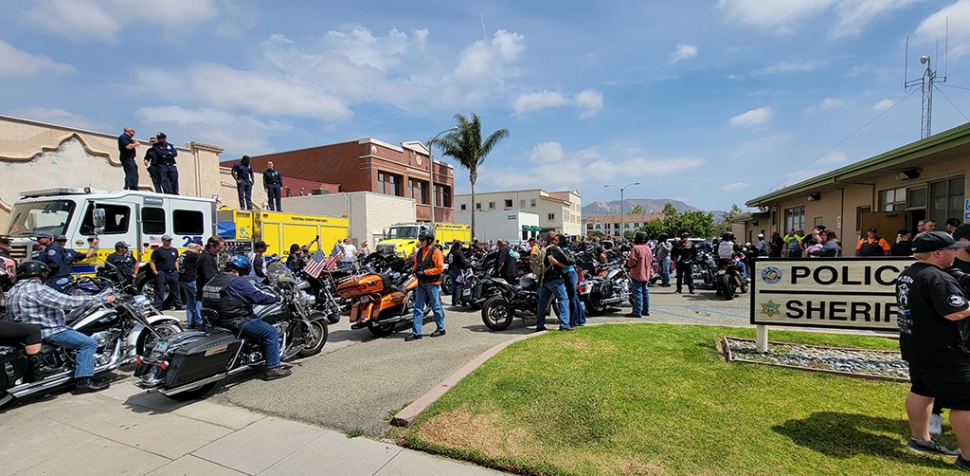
(434, 195)
(621, 189)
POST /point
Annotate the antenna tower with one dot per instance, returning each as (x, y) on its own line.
(926, 82)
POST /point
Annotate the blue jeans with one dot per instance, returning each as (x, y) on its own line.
(641, 297)
(557, 287)
(193, 308)
(257, 329)
(168, 279)
(170, 179)
(427, 294)
(455, 285)
(743, 268)
(245, 190)
(84, 348)
(577, 315)
(273, 192)
(665, 272)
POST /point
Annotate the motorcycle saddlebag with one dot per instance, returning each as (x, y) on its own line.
(202, 358)
(13, 365)
(363, 285)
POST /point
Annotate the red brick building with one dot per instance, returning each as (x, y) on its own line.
(295, 187)
(369, 165)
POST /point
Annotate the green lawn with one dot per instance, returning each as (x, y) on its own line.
(656, 399)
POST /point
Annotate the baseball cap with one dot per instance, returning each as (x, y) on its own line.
(962, 231)
(936, 240)
(685, 235)
(122, 244)
(60, 238)
(952, 222)
(45, 235)
(166, 237)
(873, 229)
(161, 135)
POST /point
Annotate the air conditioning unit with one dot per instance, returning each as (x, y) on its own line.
(320, 191)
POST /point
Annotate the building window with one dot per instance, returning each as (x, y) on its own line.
(522, 203)
(551, 216)
(892, 200)
(508, 204)
(389, 184)
(491, 205)
(478, 206)
(116, 219)
(532, 203)
(443, 196)
(946, 200)
(795, 218)
(464, 207)
(421, 192)
(410, 188)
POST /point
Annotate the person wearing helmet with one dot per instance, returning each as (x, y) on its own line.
(31, 302)
(429, 263)
(727, 249)
(232, 296)
(639, 265)
(684, 253)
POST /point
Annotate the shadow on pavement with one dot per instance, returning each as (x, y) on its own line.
(847, 435)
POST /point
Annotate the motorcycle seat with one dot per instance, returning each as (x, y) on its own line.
(74, 314)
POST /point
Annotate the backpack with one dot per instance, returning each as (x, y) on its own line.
(539, 266)
(871, 249)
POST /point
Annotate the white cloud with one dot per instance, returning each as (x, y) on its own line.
(536, 101)
(780, 16)
(833, 158)
(591, 101)
(830, 103)
(854, 15)
(934, 27)
(547, 152)
(483, 60)
(81, 20)
(734, 187)
(883, 105)
(239, 134)
(683, 52)
(60, 117)
(19, 63)
(384, 52)
(752, 117)
(582, 167)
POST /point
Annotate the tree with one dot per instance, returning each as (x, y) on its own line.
(697, 223)
(637, 210)
(653, 228)
(670, 210)
(467, 148)
(725, 223)
(597, 233)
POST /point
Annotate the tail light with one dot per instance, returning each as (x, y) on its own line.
(138, 360)
(164, 365)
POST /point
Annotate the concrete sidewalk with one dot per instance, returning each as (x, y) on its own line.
(124, 430)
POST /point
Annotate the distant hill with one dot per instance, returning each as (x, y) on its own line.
(649, 205)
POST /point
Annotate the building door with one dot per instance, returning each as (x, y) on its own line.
(886, 225)
(913, 218)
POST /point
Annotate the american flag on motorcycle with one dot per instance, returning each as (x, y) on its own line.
(316, 265)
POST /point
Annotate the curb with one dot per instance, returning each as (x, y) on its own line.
(408, 414)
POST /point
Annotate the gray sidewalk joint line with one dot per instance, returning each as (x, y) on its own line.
(399, 451)
(122, 443)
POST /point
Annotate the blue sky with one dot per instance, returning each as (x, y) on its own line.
(710, 102)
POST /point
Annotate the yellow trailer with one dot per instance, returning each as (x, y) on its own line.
(279, 230)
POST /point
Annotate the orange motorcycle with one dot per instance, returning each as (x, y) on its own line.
(381, 300)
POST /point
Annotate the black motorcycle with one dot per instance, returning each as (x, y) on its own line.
(609, 286)
(188, 365)
(520, 300)
(729, 279)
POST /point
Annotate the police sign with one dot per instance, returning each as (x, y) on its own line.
(844, 293)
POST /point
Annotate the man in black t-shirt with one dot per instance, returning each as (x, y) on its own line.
(126, 152)
(165, 265)
(903, 247)
(930, 303)
(962, 261)
(552, 286)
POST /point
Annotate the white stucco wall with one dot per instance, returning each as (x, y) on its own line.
(494, 224)
(370, 213)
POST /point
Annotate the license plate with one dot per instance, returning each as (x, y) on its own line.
(160, 346)
(466, 292)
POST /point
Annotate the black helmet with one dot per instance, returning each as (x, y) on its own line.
(29, 269)
(727, 236)
(240, 263)
(640, 237)
(663, 237)
(426, 236)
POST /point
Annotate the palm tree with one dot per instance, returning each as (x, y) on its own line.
(466, 147)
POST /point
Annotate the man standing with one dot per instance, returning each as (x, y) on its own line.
(151, 162)
(930, 225)
(456, 266)
(166, 154)
(639, 264)
(930, 302)
(59, 259)
(272, 184)
(872, 245)
(208, 264)
(164, 264)
(903, 245)
(552, 285)
(962, 261)
(126, 149)
(259, 268)
(43, 241)
(662, 252)
(429, 263)
(243, 173)
(684, 253)
(349, 254)
(951, 225)
(505, 267)
(122, 260)
(188, 265)
(30, 302)
(762, 245)
(920, 226)
(794, 241)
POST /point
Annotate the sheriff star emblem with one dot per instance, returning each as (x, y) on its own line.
(770, 308)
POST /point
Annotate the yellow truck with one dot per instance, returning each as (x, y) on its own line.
(401, 238)
(242, 228)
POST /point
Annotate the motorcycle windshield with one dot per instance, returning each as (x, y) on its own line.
(279, 270)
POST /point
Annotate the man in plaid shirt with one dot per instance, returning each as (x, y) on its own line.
(31, 302)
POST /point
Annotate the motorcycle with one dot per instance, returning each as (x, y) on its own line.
(381, 300)
(609, 286)
(729, 279)
(189, 364)
(476, 287)
(122, 329)
(520, 300)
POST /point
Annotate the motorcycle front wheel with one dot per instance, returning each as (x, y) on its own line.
(314, 343)
(496, 313)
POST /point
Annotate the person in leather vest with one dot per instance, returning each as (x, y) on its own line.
(233, 297)
(429, 263)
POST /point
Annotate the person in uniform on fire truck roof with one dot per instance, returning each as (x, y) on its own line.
(429, 263)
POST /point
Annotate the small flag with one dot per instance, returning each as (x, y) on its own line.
(316, 265)
(331, 262)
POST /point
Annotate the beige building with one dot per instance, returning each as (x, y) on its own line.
(612, 224)
(36, 156)
(891, 191)
(370, 213)
(558, 211)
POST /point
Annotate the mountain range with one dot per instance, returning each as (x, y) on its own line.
(649, 205)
